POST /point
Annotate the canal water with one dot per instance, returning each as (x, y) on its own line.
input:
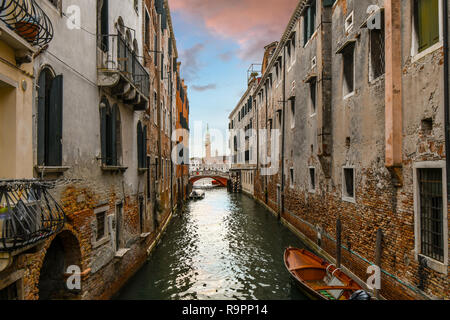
(226, 246)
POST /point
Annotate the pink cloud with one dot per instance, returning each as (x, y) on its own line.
(251, 23)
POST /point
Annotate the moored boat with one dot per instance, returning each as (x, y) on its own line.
(319, 279)
(197, 194)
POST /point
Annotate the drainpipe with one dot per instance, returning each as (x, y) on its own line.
(446, 94)
(283, 135)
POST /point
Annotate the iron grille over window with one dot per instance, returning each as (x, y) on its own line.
(28, 20)
(28, 214)
(431, 213)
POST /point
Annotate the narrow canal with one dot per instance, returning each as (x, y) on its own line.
(226, 246)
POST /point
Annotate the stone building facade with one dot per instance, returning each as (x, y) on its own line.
(242, 125)
(102, 115)
(353, 95)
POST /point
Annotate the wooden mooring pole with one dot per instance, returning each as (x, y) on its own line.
(378, 250)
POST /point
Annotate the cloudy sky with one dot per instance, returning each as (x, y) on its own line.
(217, 41)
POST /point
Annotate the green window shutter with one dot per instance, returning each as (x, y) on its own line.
(103, 132)
(41, 119)
(139, 145)
(55, 123)
(144, 148)
(427, 19)
(113, 135)
(312, 18)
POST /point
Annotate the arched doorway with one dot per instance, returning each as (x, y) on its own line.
(64, 251)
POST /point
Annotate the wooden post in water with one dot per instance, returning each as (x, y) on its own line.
(338, 242)
(378, 249)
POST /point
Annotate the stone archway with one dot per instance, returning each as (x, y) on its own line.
(64, 251)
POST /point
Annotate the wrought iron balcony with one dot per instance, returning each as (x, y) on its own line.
(119, 68)
(28, 214)
(28, 20)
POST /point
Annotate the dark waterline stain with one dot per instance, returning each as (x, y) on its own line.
(226, 246)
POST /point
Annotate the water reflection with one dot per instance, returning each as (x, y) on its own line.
(226, 246)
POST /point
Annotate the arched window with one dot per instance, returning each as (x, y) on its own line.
(50, 117)
(110, 134)
(120, 26)
(142, 145)
(104, 25)
(135, 47)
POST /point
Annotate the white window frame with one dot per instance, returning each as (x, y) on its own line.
(106, 235)
(349, 26)
(292, 177)
(415, 54)
(344, 191)
(351, 93)
(292, 114)
(431, 263)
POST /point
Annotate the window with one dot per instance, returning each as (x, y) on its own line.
(100, 225)
(9, 293)
(50, 117)
(426, 23)
(147, 29)
(431, 213)
(312, 95)
(119, 215)
(377, 60)
(349, 22)
(104, 26)
(155, 107)
(312, 179)
(148, 178)
(309, 22)
(110, 134)
(141, 214)
(292, 102)
(348, 184)
(348, 55)
(142, 145)
(291, 172)
(293, 53)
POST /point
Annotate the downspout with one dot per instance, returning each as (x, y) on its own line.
(446, 94)
(283, 135)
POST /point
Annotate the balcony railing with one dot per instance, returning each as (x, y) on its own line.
(118, 56)
(28, 20)
(28, 214)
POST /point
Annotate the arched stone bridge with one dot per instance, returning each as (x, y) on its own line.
(219, 177)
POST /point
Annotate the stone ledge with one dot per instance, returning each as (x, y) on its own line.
(121, 253)
(47, 169)
(145, 235)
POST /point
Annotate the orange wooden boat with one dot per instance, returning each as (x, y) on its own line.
(317, 278)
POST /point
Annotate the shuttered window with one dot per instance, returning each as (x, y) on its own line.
(142, 145)
(50, 117)
(427, 22)
(110, 134)
(309, 21)
(104, 26)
